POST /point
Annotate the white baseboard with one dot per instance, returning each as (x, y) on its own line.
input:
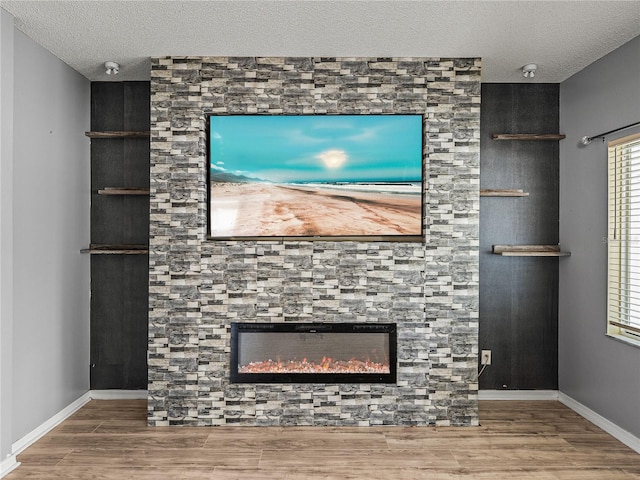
(608, 426)
(119, 394)
(35, 434)
(517, 395)
(8, 465)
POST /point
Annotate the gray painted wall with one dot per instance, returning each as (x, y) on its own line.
(6, 238)
(50, 226)
(597, 371)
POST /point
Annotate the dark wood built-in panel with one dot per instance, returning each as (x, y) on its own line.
(119, 234)
(519, 294)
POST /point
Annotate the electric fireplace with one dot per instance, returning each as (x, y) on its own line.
(313, 353)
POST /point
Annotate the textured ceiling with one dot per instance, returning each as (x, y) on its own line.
(562, 37)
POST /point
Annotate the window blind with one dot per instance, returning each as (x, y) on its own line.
(624, 236)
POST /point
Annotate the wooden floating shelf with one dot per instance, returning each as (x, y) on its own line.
(527, 136)
(115, 134)
(505, 192)
(529, 251)
(123, 191)
(114, 249)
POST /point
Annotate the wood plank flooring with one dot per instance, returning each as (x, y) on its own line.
(516, 440)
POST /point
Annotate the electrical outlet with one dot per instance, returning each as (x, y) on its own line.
(485, 357)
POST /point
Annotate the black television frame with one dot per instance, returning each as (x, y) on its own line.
(369, 238)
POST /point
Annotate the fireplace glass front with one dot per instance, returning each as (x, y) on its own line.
(313, 353)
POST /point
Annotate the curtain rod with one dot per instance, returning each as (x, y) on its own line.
(586, 140)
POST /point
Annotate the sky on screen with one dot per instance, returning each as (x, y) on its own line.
(340, 148)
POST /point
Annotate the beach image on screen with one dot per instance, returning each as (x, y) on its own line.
(308, 176)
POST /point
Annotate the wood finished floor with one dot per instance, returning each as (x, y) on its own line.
(516, 440)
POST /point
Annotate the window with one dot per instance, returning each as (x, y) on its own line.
(624, 239)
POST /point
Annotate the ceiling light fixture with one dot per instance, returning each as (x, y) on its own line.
(112, 68)
(529, 70)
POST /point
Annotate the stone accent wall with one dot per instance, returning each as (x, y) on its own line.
(199, 286)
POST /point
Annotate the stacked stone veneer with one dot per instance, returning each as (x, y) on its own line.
(199, 286)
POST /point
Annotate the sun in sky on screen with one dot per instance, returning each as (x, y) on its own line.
(333, 158)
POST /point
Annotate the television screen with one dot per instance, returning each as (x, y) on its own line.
(315, 176)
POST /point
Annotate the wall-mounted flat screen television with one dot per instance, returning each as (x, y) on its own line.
(315, 177)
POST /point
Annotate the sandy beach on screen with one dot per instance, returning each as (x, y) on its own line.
(261, 209)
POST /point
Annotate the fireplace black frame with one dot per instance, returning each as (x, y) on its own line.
(327, 378)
